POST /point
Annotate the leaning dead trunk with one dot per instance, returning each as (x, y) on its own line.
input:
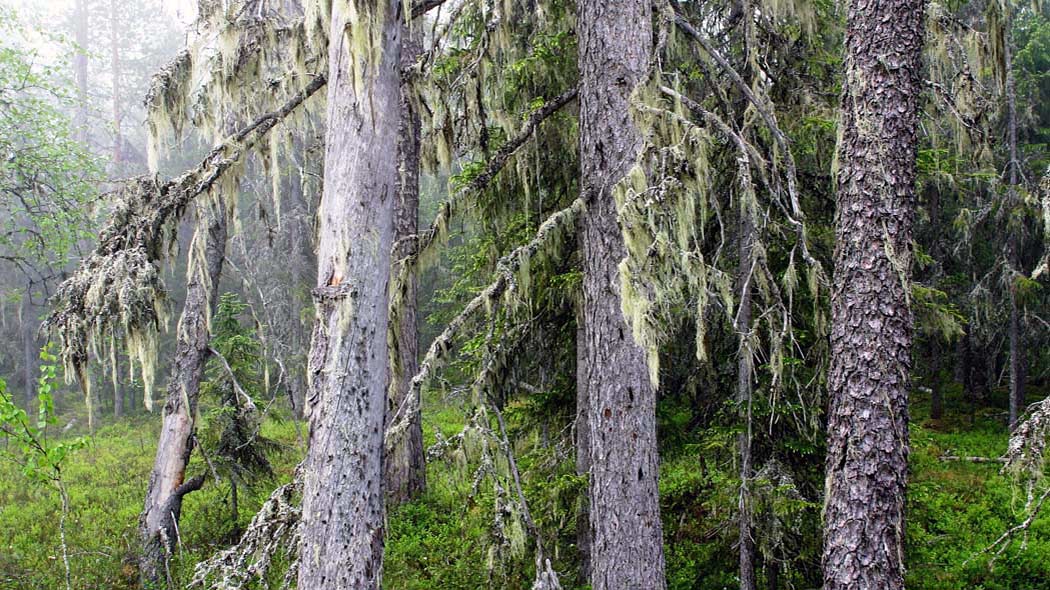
(871, 323)
(615, 42)
(405, 466)
(343, 503)
(167, 482)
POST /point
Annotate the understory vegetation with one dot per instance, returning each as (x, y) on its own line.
(956, 510)
(524, 294)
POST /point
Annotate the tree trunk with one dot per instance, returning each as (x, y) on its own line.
(114, 66)
(583, 454)
(30, 353)
(405, 465)
(1017, 403)
(158, 525)
(871, 323)
(745, 371)
(80, 71)
(615, 43)
(235, 514)
(297, 242)
(118, 392)
(343, 504)
(936, 392)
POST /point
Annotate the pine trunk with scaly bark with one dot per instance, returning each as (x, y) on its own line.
(343, 500)
(626, 539)
(871, 323)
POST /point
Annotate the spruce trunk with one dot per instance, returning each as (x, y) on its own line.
(343, 504)
(626, 551)
(405, 466)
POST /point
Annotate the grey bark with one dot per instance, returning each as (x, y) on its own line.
(343, 503)
(936, 391)
(405, 465)
(744, 374)
(30, 352)
(615, 43)
(300, 244)
(1017, 403)
(118, 398)
(114, 66)
(871, 323)
(583, 453)
(80, 70)
(167, 485)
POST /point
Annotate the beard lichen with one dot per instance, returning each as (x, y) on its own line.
(117, 289)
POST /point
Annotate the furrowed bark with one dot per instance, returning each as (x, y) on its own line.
(159, 521)
(615, 42)
(343, 503)
(405, 464)
(871, 326)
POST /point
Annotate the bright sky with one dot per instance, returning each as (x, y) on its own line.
(181, 10)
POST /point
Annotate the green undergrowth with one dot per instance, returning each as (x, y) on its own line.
(446, 539)
(957, 509)
(107, 486)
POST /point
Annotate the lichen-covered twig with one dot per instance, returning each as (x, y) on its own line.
(272, 533)
(557, 227)
(425, 240)
(118, 289)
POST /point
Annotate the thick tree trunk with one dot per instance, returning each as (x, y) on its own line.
(615, 43)
(744, 375)
(343, 503)
(871, 324)
(405, 465)
(167, 485)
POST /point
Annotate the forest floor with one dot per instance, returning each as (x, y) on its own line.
(955, 510)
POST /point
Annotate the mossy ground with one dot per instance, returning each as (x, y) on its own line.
(955, 509)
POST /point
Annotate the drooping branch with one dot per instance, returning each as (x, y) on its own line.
(1001, 543)
(555, 228)
(273, 532)
(795, 215)
(421, 7)
(118, 287)
(424, 241)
